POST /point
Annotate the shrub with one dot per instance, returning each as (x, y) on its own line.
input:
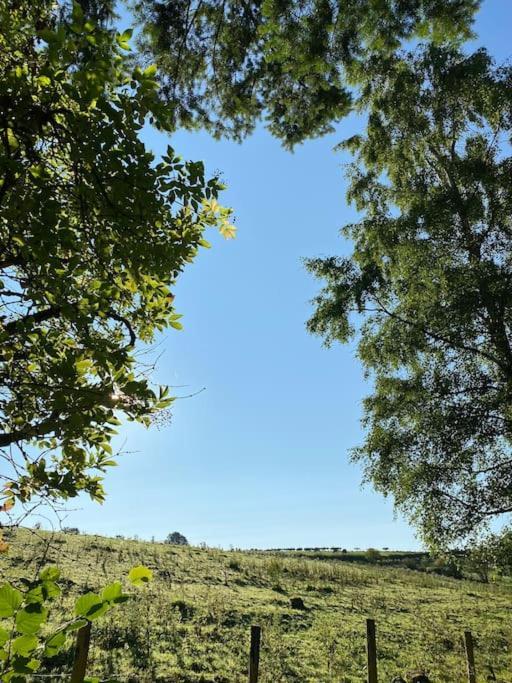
(176, 539)
(373, 555)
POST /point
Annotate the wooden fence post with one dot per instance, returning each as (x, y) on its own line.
(470, 656)
(254, 656)
(371, 651)
(83, 640)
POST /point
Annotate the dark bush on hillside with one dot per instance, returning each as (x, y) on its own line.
(176, 539)
(372, 555)
(446, 567)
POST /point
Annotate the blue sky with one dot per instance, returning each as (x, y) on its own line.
(260, 458)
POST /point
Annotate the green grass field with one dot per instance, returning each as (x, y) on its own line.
(192, 622)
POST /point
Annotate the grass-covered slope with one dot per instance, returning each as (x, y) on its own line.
(192, 622)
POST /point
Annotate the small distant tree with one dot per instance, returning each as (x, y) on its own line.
(447, 565)
(493, 553)
(481, 560)
(176, 539)
(372, 554)
(503, 553)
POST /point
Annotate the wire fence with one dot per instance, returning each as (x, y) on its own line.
(83, 640)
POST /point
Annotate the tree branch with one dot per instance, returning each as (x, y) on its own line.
(439, 337)
(40, 316)
(44, 427)
(127, 324)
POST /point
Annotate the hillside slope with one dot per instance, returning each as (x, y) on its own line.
(192, 622)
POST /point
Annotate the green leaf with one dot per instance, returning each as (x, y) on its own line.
(35, 595)
(112, 591)
(12, 140)
(55, 644)
(4, 636)
(47, 35)
(75, 625)
(150, 71)
(90, 606)
(123, 38)
(82, 366)
(30, 619)
(36, 171)
(50, 573)
(46, 590)
(10, 600)
(23, 665)
(24, 645)
(86, 602)
(140, 575)
(77, 13)
(50, 590)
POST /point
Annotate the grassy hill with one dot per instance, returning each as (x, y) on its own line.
(192, 622)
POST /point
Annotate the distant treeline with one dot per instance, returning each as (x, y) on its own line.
(458, 564)
(386, 557)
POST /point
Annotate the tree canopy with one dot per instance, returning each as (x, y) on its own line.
(430, 269)
(176, 538)
(428, 288)
(94, 232)
(225, 64)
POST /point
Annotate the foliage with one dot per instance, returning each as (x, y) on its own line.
(94, 232)
(503, 552)
(192, 622)
(176, 539)
(438, 422)
(428, 288)
(373, 555)
(492, 555)
(481, 560)
(225, 64)
(25, 612)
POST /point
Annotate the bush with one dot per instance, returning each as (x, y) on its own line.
(447, 567)
(372, 555)
(176, 539)
(27, 642)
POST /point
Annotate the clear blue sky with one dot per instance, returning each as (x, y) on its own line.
(260, 458)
